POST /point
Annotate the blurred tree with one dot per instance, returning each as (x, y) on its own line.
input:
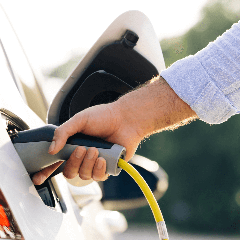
(217, 17)
(202, 160)
(66, 68)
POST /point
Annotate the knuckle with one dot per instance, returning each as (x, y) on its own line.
(99, 176)
(68, 174)
(82, 149)
(93, 149)
(84, 176)
(85, 172)
(82, 172)
(99, 171)
(56, 133)
(79, 152)
(92, 153)
(61, 132)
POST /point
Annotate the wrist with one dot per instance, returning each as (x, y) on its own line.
(139, 108)
(154, 107)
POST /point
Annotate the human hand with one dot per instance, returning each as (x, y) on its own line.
(104, 121)
(136, 115)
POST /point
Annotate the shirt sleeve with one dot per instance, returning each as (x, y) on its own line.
(209, 81)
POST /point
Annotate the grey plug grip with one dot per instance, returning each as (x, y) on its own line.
(35, 156)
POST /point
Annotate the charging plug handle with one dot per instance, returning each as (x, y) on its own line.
(32, 147)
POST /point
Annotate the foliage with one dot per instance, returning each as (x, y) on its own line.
(202, 161)
(216, 19)
(63, 70)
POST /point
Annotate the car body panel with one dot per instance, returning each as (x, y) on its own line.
(148, 46)
(32, 215)
(78, 213)
(20, 70)
(35, 219)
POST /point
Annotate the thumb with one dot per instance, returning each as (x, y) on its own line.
(61, 135)
(58, 141)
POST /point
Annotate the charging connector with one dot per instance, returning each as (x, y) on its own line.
(32, 146)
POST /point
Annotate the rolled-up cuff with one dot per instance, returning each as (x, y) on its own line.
(193, 85)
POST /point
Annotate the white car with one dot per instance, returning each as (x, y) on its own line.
(60, 208)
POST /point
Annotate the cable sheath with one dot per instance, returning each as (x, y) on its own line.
(161, 226)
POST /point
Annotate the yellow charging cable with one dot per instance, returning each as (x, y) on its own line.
(161, 226)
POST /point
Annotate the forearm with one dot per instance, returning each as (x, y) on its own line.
(209, 81)
(155, 107)
(127, 121)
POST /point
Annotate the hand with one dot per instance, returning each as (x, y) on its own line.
(136, 115)
(104, 121)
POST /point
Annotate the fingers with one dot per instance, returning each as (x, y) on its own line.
(42, 175)
(71, 168)
(59, 140)
(82, 162)
(99, 121)
(85, 172)
(99, 170)
(87, 164)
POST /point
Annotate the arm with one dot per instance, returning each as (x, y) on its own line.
(152, 108)
(209, 81)
(208, 84)
(155, 108)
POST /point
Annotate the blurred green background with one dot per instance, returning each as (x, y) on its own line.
(202, 161)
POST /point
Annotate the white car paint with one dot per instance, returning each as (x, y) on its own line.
(148, 46)
(36, 220)
(84, 217)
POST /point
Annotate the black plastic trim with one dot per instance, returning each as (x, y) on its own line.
(116, 59)
(99, 88)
